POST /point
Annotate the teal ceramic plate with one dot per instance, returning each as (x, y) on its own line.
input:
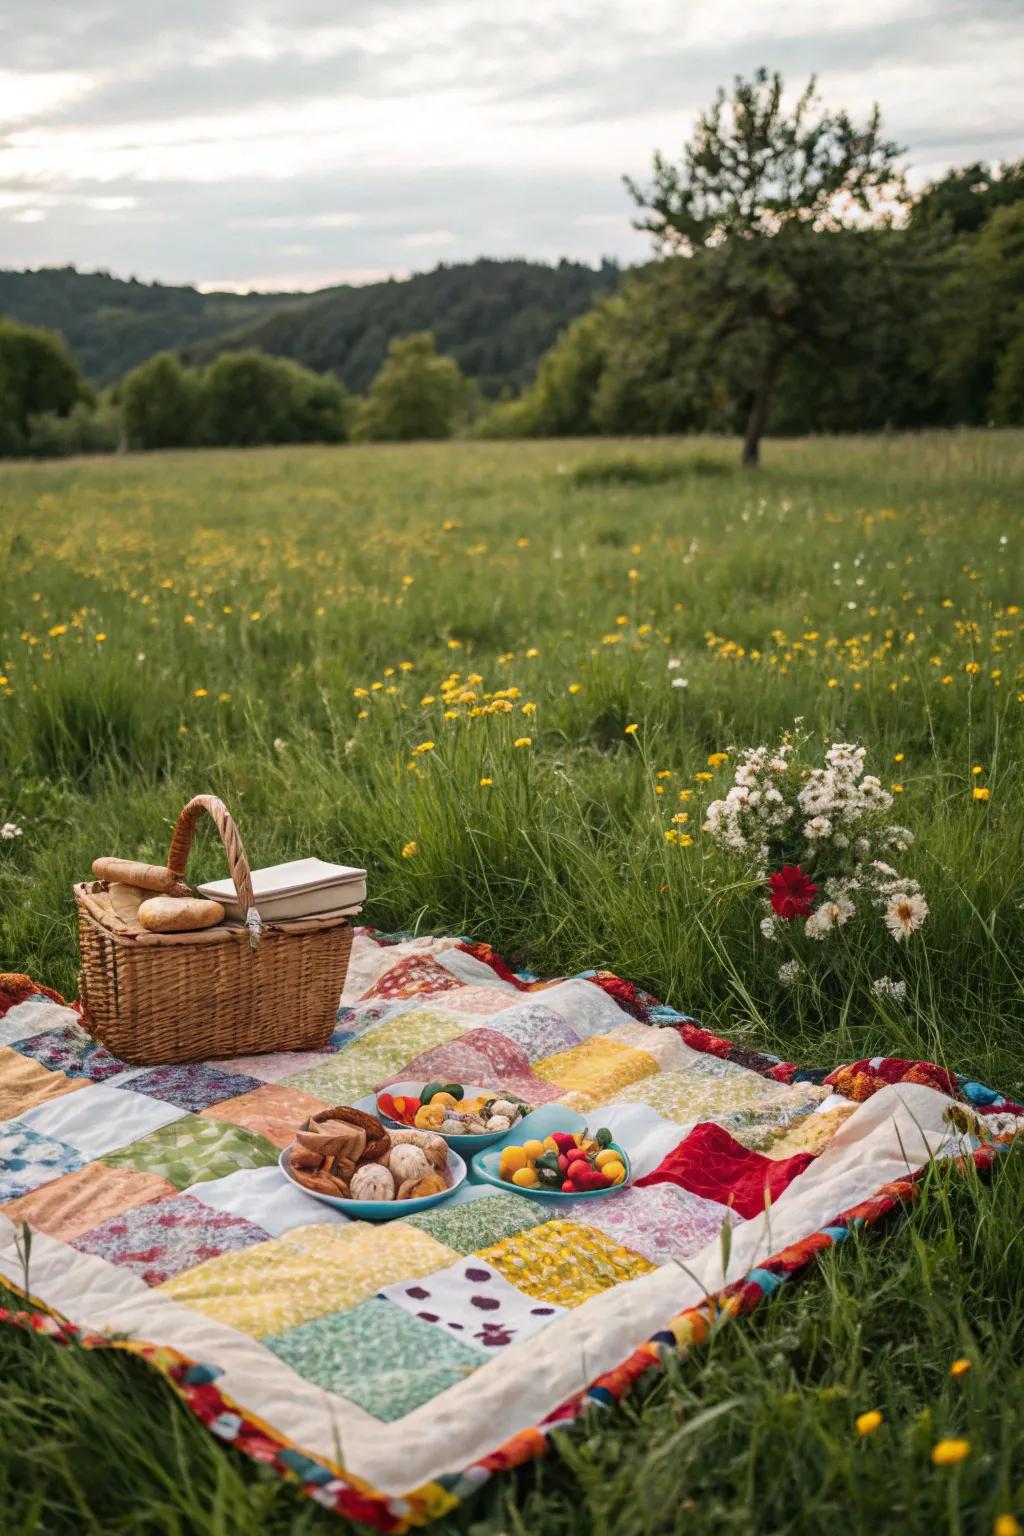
(485, 1167)
(466, 1146)
(380, 1210)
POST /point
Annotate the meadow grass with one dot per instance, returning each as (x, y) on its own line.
(286, 627)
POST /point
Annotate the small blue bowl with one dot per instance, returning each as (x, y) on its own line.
(486, 1167)
(380, 1210)
(467, 1146)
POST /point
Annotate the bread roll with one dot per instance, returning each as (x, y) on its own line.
(179, 914)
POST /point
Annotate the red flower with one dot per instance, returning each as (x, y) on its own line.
(792, 892)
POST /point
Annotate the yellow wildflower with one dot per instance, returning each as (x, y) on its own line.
(575, 687)
(199, 693)
(949, 1453)
(897, 789)
(631, 730)
(898, 758)
(424, 746)
(868, 1422)
(977, 769)
(979, 792)
(409, 850)
(1006, 1525)
(717, 759)
(529, 709)
(703, 778)
(100, 637)
(523, 741)
(960, 1367)
(485, 782)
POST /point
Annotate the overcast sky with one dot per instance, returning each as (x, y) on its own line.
(295, 143)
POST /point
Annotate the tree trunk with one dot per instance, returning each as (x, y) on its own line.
(759, 409)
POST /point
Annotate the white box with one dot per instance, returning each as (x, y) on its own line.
(301, 888)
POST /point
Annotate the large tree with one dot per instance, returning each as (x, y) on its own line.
(758, 204)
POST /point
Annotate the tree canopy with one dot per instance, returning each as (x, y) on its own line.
(758, 204)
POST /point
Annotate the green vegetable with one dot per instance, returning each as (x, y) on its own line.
(455, 1089)
(603, 1137)
(429, 1090)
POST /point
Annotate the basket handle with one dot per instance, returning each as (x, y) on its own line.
(238, 864)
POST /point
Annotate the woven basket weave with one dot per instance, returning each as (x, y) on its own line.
(231, 990)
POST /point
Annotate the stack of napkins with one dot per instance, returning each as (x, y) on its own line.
(302, 888)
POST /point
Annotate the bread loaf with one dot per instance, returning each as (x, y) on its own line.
(179, 914)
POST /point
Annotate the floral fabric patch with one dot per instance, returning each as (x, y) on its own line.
(192, 1085)
(661, 1223)
(163, 1237)
(70, 1049)
(377, 1355)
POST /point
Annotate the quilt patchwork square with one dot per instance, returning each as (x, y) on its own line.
(189, 1150)
(100, 1119)
(72, 1050)
(375, 1057)
(597, 1068)
(192, 1085)
(264, 1196)
(28, 1159)
(474, 1224)
(24, 1084)
(377, 1355)
(564, 1262)
(711, 1163)
(485, 1057)
(279, 1284)
(662, 1222)
(272, 1110)
(162, 1237)
(473, 1301)
(77, 1201)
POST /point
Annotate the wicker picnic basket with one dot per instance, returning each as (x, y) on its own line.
(232, 990)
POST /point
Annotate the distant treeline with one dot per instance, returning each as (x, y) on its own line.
(241, 399)
(922, 325)
(495, 318)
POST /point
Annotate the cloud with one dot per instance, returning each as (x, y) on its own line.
(173, 140)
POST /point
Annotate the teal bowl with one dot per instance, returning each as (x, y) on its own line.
(466, 1146)
(485, 1167)
(380, 1210)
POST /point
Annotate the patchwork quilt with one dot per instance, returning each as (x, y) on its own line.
(161, 1223)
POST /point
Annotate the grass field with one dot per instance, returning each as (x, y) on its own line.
(285, 628)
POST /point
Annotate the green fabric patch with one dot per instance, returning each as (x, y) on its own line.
(378, 1356)
(475, 1224)
(191, 1150)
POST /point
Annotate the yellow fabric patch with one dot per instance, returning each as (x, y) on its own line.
(24, 1084)
(711, 1093)
(597, 1068)
(307, 1272)
(564, 1262)
(812, 1133)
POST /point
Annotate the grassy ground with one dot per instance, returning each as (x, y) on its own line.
(285, 628)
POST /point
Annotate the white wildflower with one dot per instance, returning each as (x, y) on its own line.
(890, 991)
(9, 831)
(789, 971)
(905, 914)
(674, 663)
(831, 914)
(818, 826)
(280, 745)
(769, 927)
(680, 682)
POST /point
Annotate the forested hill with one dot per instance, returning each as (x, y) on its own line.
(496, 318)
(111, 324)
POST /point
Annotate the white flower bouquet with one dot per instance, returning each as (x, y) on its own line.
(820, 838)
